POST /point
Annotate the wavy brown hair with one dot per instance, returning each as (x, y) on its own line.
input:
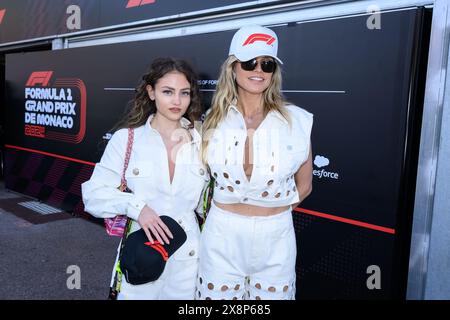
(142, 107)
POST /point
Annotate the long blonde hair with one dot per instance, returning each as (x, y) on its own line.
(227, 93)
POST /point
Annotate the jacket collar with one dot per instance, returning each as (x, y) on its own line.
(273, 113)
(185, 123)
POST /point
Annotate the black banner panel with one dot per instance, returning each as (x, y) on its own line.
(28, 19)
(61, 106)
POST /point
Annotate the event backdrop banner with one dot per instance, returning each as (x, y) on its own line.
(27, 19)
(357, 81)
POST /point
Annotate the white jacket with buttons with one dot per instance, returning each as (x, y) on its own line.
(148, 178)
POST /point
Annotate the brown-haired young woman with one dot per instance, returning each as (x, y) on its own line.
(164, 172)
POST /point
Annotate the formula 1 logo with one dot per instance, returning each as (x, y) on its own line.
(38, 77)
(138, 3)
(56, 111)
(259, 37)
(2, 14)
(158, 247)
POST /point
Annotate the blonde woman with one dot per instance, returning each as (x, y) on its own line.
(164, 172)
(257, 147)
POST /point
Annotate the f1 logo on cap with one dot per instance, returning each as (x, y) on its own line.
(259, 37)
(158, 247)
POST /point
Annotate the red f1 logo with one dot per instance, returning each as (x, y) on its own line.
(158, 247)
(138, 3)
(39, 77)
(2, 14)
(259, 37)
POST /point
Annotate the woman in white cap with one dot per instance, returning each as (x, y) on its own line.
(257, 148)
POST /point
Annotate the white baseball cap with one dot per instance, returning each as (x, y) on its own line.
(254, 41)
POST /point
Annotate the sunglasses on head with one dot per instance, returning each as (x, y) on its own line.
(267, 65)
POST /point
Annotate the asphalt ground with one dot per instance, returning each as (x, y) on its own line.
(52, 257)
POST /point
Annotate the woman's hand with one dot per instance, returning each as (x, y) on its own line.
(150, 221)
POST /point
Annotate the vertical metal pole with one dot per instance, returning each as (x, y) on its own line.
(429, 150)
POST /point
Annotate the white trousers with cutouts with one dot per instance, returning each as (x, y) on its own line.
(247, 257)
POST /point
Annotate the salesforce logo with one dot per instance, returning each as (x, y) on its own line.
(319, 162)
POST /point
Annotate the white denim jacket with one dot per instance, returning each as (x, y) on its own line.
(148, 177)
(279, 149)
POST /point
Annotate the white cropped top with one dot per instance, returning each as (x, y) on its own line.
(278, 152)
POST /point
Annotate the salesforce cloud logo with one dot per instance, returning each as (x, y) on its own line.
(320, 162)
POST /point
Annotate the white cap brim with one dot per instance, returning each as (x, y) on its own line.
(246, 57)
